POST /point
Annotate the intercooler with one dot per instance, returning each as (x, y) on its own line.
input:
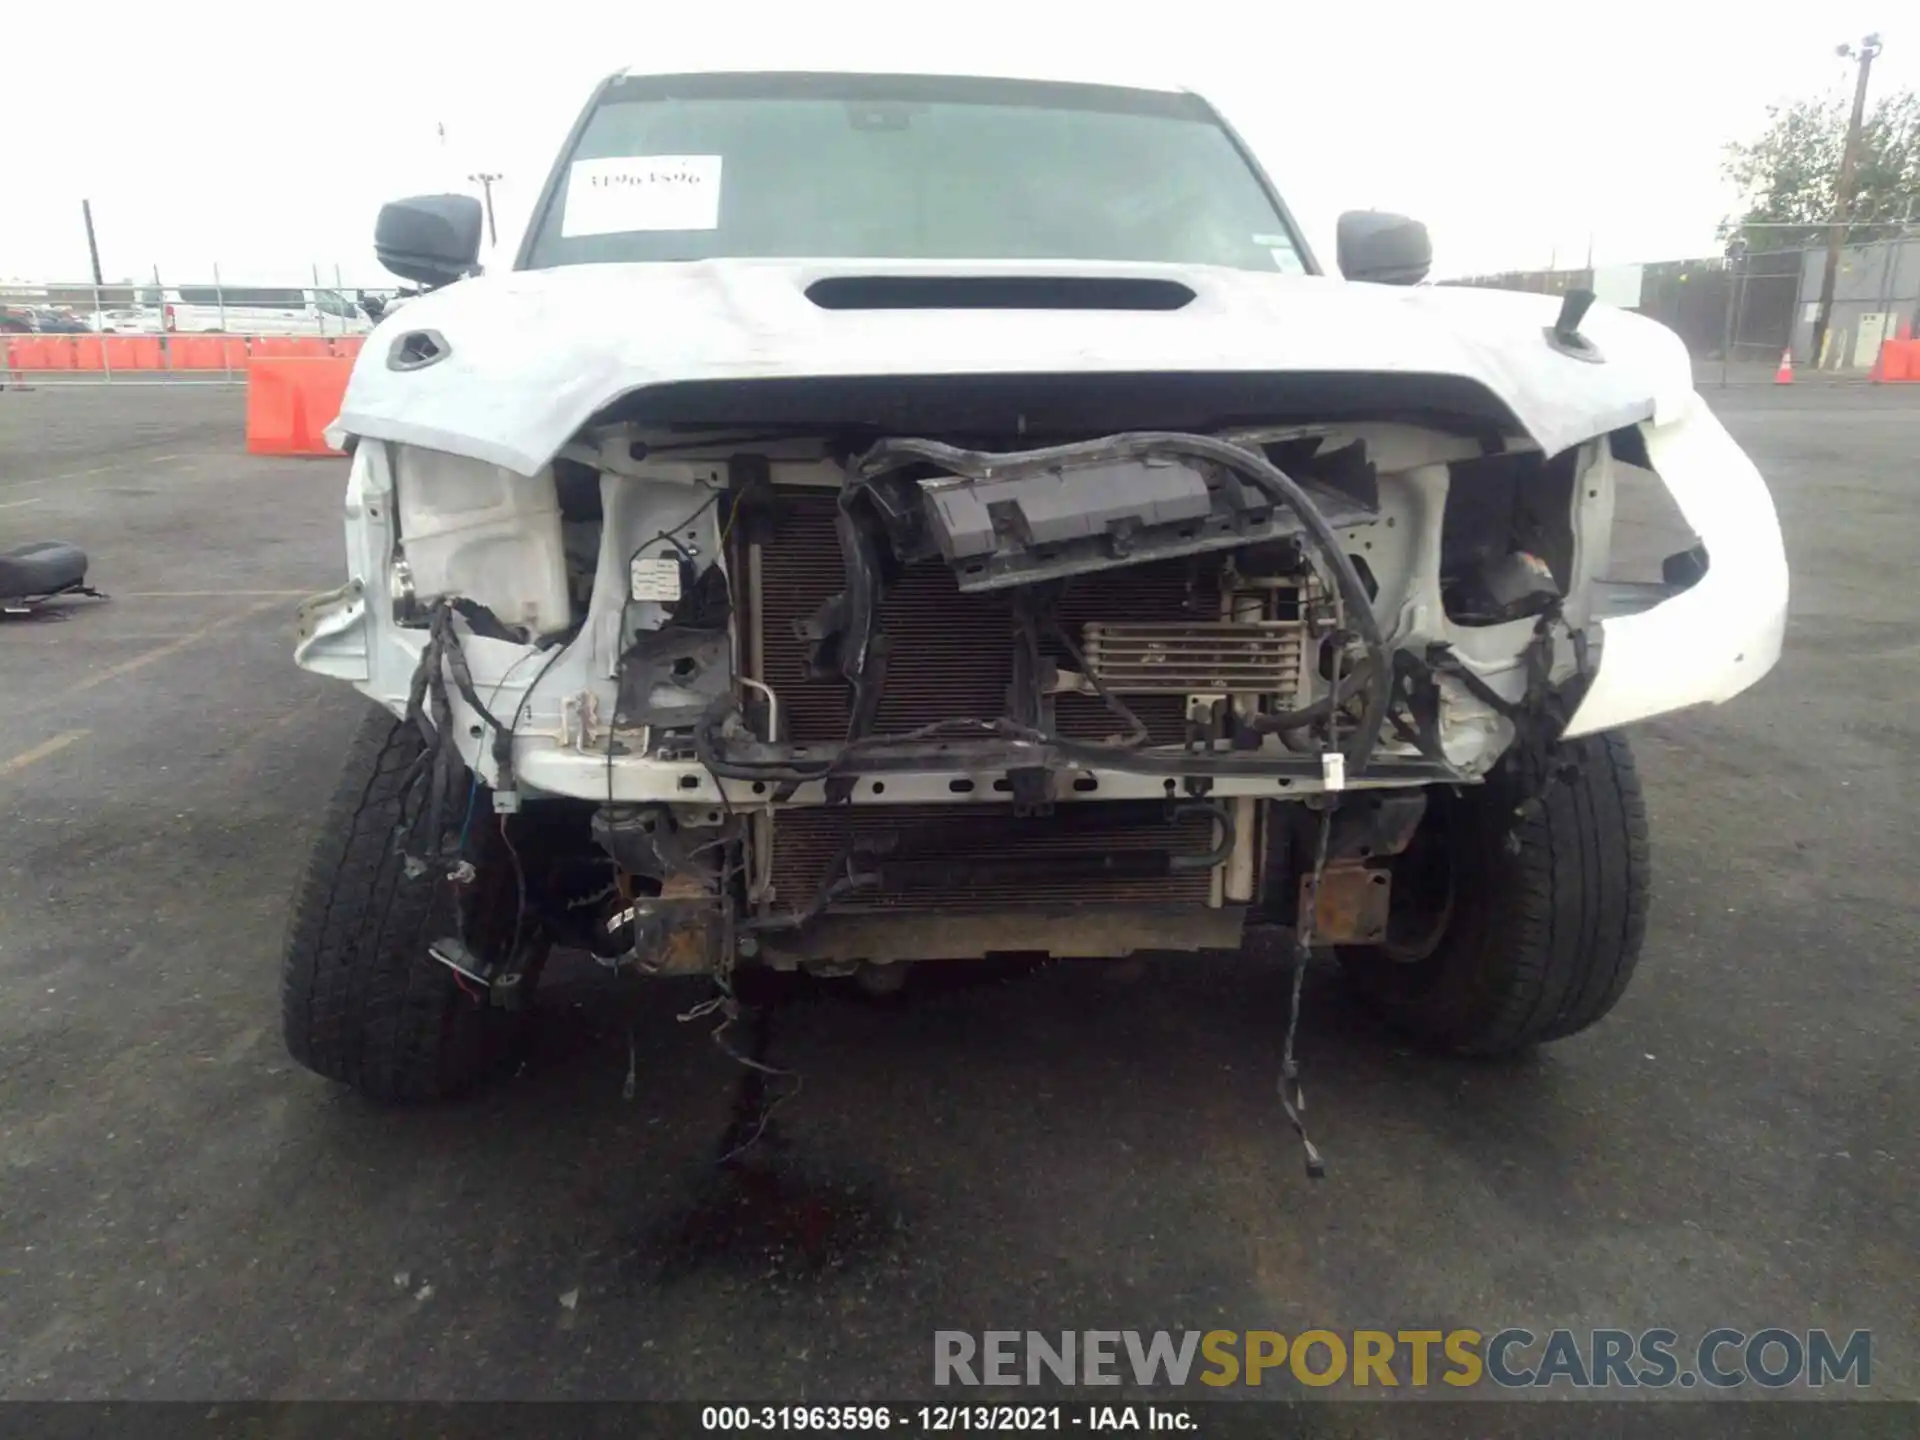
(1155, 634)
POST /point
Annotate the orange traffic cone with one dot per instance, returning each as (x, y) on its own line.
(1784, 375)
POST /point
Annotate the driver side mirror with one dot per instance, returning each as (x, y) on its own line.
(1385, 248)
(431, 239)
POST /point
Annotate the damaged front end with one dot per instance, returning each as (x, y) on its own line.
(831, 698)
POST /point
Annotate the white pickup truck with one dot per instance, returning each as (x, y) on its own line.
(884, 518)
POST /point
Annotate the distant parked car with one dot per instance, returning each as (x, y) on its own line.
(17, 320)
(60, 322)
(125, 321)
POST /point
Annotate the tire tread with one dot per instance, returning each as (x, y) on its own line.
(361, 1002)
(1561, 915)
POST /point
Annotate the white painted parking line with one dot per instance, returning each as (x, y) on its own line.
(140, 662)
(41, 751)
(86, 474)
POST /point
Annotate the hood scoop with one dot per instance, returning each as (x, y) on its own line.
(998, 292)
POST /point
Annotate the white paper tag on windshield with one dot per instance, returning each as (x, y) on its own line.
(642, 192)
(657, 579)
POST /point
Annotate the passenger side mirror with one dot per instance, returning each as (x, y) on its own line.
(1385, 248)
(432, 239)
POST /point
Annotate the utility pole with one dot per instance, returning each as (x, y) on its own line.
(485, 181)
(1736, 278)
(1862, 56)
(93, 246)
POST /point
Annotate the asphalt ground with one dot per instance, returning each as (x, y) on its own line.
(185, 1214)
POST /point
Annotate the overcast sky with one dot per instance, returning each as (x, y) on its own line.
(263, 138)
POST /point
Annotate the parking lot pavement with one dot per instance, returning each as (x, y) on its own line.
(188, 1215)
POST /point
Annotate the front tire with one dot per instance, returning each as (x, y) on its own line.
(1524, 905)
(362, 1002)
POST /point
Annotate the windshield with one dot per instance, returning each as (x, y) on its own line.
(697, 167)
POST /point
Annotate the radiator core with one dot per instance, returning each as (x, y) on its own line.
(950, 655)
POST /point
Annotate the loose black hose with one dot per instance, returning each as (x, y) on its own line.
(1274, 482)
(1337, 567)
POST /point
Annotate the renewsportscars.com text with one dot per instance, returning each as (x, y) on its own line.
(1720, 1359)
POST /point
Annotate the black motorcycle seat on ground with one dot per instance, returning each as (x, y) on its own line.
(44, 567)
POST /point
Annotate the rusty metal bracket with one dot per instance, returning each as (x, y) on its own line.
(1352, 903)
(678, 931)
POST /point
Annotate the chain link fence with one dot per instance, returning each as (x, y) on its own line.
(80, 333)
(1736, 314)
(1739, 314)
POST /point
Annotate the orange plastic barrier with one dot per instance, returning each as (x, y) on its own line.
(193, 352)
(348, 346)
(1899, 362)
(117, 352)
(291, 400)
(207, 352)
(282, 347)
(42, 352)
(136, 352)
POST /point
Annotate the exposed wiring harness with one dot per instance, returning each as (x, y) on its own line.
(1293, 1098)
(723, 1001)
(430, 712)
(434, 777)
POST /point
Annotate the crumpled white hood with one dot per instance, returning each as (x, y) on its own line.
(535, 353)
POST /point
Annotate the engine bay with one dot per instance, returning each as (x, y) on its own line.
(797, 689)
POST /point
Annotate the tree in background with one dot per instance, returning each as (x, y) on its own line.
(1788, 172)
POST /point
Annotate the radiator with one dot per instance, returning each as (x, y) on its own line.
(1153, 631)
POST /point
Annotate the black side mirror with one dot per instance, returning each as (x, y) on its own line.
(1385, 248)
(432, 239)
